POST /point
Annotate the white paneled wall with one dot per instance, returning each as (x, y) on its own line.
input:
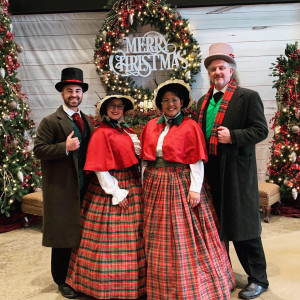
(258, 34)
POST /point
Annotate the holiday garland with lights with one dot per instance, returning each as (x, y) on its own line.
(284, 165)
(124, 17)
(19, 170)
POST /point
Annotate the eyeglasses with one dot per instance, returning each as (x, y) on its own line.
(114, 106)
(173, 101)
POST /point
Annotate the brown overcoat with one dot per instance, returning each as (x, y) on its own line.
(61, 195)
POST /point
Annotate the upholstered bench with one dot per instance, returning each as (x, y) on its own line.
(32, 204)
(268, 194)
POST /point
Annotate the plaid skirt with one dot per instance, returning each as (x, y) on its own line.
(185, 257)
(110, 261)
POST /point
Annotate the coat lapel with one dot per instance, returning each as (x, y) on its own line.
(64, 121)
(233, 109)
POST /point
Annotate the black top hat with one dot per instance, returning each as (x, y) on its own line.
(71, 76)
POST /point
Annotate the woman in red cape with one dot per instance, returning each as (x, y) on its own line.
(110, 262)
(185, 257)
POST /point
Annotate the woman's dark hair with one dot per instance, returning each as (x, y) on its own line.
(179, 90)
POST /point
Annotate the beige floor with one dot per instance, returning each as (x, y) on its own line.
(25, 264)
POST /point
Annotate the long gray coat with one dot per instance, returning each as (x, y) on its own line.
(61, 195)
(234, 172)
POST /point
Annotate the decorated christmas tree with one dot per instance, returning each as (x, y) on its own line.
(284, 165)
(19, 170)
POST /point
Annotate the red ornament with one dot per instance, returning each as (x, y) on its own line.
(277, 149)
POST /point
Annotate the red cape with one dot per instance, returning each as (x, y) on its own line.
(184, 143)
(109, 148)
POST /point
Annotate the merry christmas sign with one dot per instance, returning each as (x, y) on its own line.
(142, 55)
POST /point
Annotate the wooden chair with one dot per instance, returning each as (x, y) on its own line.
(32, 204)
(268, 195)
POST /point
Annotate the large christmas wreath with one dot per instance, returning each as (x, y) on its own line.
(124, 17)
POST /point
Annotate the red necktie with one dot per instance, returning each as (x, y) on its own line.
(78, 121)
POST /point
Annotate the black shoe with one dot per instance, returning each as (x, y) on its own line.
(251, 291)
(67, 291)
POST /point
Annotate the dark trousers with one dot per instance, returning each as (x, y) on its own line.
(250, 252)
(60, 258)
(252, 258)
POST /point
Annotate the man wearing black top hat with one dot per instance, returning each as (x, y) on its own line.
(61, 143)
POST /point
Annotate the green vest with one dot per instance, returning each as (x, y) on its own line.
(211, 113)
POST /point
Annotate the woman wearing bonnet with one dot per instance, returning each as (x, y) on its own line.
(185, 257)
(110, 262)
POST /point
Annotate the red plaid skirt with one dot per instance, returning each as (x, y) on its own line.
(185, 257)
(110, 262)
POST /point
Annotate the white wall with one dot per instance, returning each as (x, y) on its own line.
(258, 34)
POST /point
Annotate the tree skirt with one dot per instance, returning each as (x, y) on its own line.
(16, 221)
(290, 208)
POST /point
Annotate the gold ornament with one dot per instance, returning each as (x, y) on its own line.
(293, 156)
(19, 49)
(131, 19)
(2, 73)
(294, 193)
(295, 129)
(6, 118)
(20, 176)
(12, 105)
(188, 75)
(175, 16)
